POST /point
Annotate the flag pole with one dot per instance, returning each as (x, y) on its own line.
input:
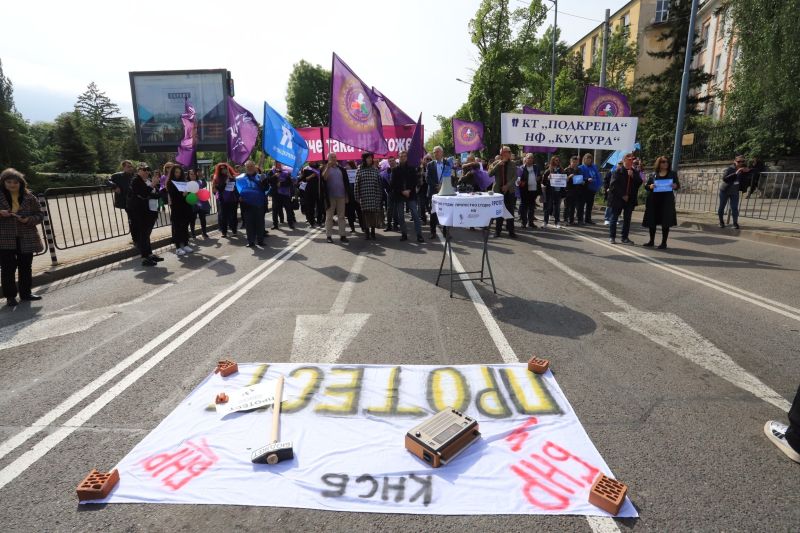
(322, 138)
(604, 56)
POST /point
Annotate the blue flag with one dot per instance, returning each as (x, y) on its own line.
(282, 141)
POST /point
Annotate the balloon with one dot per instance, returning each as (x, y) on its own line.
(191, 198)
(203, 195)
(192, 186)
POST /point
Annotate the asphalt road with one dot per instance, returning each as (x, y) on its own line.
(678, 422)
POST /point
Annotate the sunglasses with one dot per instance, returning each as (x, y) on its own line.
(739, 161)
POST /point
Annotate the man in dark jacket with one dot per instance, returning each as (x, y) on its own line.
(529, 189)
(334, 187)
(623, 189)
(433, 176)
(576, 187)
(121, 182)
(732, 178)
(403, 188)
(504, 173)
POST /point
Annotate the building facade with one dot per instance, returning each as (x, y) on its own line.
(644, 19)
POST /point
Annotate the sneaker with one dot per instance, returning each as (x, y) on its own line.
(627, 241)
(612, 241)
(606, 223)
(330, 239)
(558, 226)
(776, 432)
(188, 249)
(178, 251)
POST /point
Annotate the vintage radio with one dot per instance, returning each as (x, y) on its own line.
(442, 437)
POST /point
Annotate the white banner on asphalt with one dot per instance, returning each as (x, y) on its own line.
(569, 131)
(469, 210)
(348, 423)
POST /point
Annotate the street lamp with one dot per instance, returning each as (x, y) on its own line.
(462, 81)
(553, 66)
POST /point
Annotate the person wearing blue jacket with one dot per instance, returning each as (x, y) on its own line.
(252, 190)
(593, 180)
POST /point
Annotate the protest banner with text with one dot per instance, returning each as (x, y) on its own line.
(397, 138)
(569, 131)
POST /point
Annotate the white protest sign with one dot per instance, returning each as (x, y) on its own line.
(351, 175)
(247, 398)
(347, 425)
(558, 180)
(180, 185)
(471, 210)
(569, 131)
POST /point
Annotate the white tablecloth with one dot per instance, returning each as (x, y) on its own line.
(469, 210)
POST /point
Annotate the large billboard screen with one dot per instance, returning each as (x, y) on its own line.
(158, 102)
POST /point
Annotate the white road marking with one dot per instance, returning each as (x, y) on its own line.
(194, 321)
(599, 524)
(669, 331)
(57, 324)
(324, 338)
(755, 299)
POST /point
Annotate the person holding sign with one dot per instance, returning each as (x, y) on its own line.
(660, 202)
(529, 189)
(369, 192)
(224, 186)
(180, 210)
(504, 173)
(576, 185)
(622, 192)
(553, 181)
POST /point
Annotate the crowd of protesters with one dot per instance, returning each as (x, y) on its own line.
(369, 193)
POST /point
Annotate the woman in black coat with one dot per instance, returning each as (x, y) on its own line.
(660, 206)
(180, 210)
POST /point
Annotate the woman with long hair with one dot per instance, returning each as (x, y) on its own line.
(224, 188)
(552, 195)
(19, 238)
(181, 211)
(659, 205)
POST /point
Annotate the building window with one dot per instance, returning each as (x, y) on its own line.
(722, 23)
(718, 68)
(583, 54)
(704, 35)
(594, 48)
(662, 10)
(626, 19)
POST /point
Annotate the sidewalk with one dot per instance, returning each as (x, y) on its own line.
(80, 259)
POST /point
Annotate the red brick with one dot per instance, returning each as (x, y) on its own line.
(97, 485)
(222, 398)
(608, 494)
(537, 365)
(226, 368)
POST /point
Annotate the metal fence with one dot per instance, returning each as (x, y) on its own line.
(76, 216)
(776, 196)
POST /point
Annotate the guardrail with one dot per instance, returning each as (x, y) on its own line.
(76, 216)
(776, 196)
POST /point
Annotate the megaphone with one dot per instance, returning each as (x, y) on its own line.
(446, 188)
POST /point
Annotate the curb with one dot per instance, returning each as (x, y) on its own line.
(59, 273)
(748, 234)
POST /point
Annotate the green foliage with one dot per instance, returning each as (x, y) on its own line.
(764, 100)
(504, 37)
(570, 87)
(536, 66)
(15, 140)
(658, 95)
(620, 61)
(73, 149)
(308, 95)
(101, 124)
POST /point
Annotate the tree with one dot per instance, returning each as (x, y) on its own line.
(74, 152)
(503, 36)
(536, 68)
(763, 102)
(570, 86)
(102, 124)
(15, 141)
(620, 60)
(308, 95)
(658, 95)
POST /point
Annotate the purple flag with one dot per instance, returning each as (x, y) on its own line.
(602, 102)
(536, 149)
(355, 119)
(467, 136)
(187, 146)
(416, 150)
(242, 132)
(391, 115)
(483, 178)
